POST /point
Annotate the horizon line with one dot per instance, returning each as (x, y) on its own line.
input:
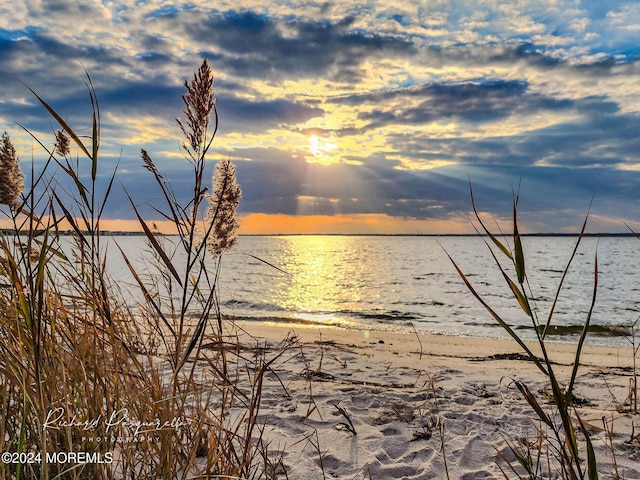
(4, 231)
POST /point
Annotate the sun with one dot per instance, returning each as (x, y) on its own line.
(319, 148)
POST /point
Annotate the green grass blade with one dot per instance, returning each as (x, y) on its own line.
(497, 317)
(564, 274)
(522, 299)
(567, 425)
(518, 261)
(592, 464)
(493, 238)
(585, 329)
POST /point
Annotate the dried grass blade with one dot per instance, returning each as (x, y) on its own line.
(70, 219)
(633, 232)
(15, 280)
(531, 400)
(94, 143)
(42, 261)
(95, 131)
(522, 299)
(65, 126)
(108, 192)
(82, 190)
(51, 249)
(202, 323)
(267, 263)
(23, 430)
(145, 292)
(158, 248)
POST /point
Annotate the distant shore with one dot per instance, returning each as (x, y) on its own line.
(6, 231)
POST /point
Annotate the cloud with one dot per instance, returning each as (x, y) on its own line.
(242, 113)
(412, 98)
(257, 45)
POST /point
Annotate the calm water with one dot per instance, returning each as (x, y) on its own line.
(402, 283)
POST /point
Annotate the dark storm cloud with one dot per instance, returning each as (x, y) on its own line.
(601, 136)
(481, 101)
(473, 102)
(539, 57)
(581, 164)
(256, 45)
(56, 50)
(268, 113)
(565, 163)
(54, 68)
(452, 94)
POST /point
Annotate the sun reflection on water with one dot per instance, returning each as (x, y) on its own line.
(326, 277)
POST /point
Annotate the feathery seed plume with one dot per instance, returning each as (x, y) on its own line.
(199, 104)
(148, 163)
(11, 176)
(221, 213)
(62, 143)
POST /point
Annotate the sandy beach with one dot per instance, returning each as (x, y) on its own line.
(377, 405)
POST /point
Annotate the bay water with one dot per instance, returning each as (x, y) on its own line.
(407, 283)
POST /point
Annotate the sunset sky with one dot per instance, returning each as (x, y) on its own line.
(350, 116)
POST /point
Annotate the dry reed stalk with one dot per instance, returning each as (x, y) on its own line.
(73, 344)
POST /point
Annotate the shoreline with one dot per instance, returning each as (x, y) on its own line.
(352, 404)
(431, 345)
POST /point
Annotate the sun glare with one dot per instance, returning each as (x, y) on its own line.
(318, 271)
(320, 148)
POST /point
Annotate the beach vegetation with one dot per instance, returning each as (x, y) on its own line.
(563, 446)
(160, 388)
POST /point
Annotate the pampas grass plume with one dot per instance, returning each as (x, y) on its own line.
(220, 217)
(11, 176)
(199, 104)
(62, 143)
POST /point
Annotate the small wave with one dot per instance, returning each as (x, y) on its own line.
(390, 315)
(430, 303)
(265, 307)
(275, 319)
(597, 330)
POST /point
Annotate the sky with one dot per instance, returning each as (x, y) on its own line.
(349, 116)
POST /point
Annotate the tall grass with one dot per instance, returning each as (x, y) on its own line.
(80, 365)
(559, 452)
